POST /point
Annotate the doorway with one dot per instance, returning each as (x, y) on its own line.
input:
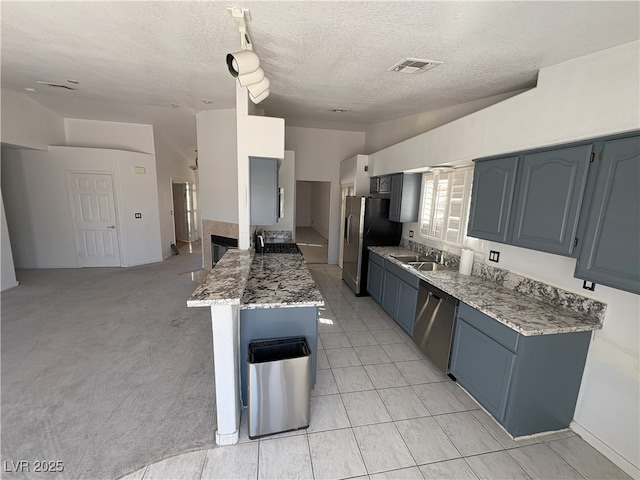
(313, 208)
(184, 221)
(94, 219)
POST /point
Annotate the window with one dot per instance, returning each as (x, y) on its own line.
(444, 211)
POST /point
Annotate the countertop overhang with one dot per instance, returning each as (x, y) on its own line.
(526, 315)
(262, 280)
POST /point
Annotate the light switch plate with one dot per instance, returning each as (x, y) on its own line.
(138, 215)
(494, 256)
(587, 285)
(410, 233)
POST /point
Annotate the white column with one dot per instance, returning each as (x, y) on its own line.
(226, 342)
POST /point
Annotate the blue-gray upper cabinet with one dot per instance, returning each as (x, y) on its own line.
(405, 197)
(493, 184)
(549, 190)
(263, 188)
(610, 253)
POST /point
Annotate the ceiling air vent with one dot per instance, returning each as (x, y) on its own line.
(414, 65)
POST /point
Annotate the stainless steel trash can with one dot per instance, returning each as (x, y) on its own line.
(279, 390)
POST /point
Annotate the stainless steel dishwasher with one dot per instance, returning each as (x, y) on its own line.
(433, 329)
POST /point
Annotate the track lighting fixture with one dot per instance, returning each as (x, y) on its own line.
(245, 64)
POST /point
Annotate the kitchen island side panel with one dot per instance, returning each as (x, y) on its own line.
(263, 323)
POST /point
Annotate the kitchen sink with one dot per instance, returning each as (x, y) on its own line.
(428, 266)
(410, 258)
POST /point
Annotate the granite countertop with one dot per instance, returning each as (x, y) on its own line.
(270, 280)
(524, 314)
(226, 282)
(279, 280)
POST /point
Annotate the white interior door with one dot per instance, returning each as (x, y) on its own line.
(94, 219)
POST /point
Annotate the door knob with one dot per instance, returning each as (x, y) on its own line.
(111, 226)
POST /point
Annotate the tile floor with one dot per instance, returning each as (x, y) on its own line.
(379, 410)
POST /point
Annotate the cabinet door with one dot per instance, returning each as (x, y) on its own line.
(384, 184)
(405, 197)
(395, 205)
(549, 193)
(406, 312)
(390, 287)
(491, 196)
(374, 281)
(483, 367)
(610, 253)
(263, 188)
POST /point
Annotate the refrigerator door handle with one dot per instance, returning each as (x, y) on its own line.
(349, 229)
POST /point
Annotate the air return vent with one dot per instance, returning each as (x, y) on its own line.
(414, 65)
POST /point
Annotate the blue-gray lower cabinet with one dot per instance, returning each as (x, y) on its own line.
(375, 276)
(529, 384)
(262, 323)
(400, 295)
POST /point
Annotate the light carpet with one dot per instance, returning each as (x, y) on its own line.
(105, 369)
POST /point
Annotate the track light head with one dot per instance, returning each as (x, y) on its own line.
(259, 91)
(243, 62)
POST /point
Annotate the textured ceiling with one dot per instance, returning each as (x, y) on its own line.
(134, 59)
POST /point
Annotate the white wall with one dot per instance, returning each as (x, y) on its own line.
(26, 123)
(318, 156)
(8, 278)
(258, 136)
(303, 204)
(217, 160)
(320, 207)
(352, 172)
(384, 134)
(586, 97)
(34, 185)
(593, 95)
(99, 134)
(287, 180)
(169, 165)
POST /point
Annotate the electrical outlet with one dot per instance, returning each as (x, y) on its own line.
(587, 285)
(410, 233)
(138, 215)
(494, 256)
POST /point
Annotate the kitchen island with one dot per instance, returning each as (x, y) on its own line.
(253, 296)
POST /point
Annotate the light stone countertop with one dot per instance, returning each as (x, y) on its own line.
(524, 314)
(280, 280)
(226, 282)
(270, 280)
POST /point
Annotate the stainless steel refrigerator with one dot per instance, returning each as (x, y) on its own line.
(366, 224)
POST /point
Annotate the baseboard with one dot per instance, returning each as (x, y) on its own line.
(607, 451)
(144, 262)
(227, 438)
(7, 287)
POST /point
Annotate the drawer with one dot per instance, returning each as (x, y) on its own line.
(402, 274)
(375, 258)
(502, 334)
